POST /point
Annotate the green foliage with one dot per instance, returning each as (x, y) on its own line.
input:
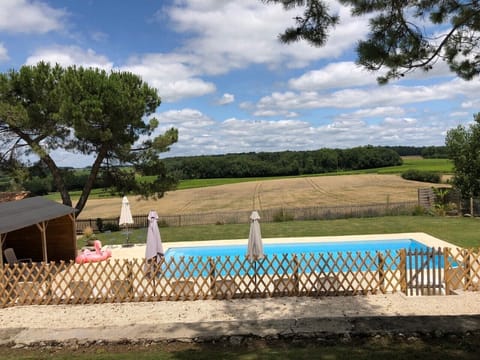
(89, 112)
(282, 215)
(418, 175)
(418, 211)
(424, 151)
(38, 186)
(110, 227)
(99, 223)
(463, 146)
(398, 39)
(435, 152)
(286, 163)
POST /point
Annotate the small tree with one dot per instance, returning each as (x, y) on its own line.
(463, 147)
(88, 112)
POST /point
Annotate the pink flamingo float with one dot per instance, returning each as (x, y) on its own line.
(93, 256)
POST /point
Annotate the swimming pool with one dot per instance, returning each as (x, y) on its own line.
(297, 248)
(327, 256)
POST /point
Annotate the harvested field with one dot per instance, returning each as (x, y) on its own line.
(287, 193)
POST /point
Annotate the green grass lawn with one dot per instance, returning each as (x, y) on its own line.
(460, 231)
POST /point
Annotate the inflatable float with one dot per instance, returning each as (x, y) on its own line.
(93, 256)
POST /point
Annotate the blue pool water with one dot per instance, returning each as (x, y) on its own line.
(206, 257)
(297, 248)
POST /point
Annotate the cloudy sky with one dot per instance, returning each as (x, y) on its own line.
(228, 84)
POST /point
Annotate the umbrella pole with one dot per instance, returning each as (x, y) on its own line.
(255, 277)
(154, 276)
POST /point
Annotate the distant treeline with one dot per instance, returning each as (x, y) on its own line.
(39, 181)
(428, 152)
(284, 163)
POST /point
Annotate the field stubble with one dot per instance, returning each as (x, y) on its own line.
(268, 194)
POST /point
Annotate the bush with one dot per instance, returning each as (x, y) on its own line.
(38, 186)
(281, 216)
(419, 210)
(424, 176)
(111, 227)
(100, 224)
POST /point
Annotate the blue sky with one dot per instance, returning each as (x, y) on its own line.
(228, 84)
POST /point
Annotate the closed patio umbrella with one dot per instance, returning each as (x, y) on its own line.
(255, 244)
(154, 249)
(125, 215)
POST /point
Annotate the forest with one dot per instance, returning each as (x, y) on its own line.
(284, 163)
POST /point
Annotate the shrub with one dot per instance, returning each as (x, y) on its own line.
(419, 210)
(162, 223)
(424, 176)
(38, 186)
(282, 215)
(111, 227)
(99, 223)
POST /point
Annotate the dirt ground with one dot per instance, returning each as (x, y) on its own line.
(288, 193)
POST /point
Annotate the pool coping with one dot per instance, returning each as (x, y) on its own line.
(423, 238)
(138, 250)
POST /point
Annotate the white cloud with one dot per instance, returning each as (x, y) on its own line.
(185, 118)
(70, 55)
(26, 16)
(171, 75)
(335, 75)
(376, 112)
(226, 99)
(3, 52)
(248, 33)
(375, 96)
(99, 36)
(271, 113)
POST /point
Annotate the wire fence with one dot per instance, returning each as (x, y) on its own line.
(267, 215)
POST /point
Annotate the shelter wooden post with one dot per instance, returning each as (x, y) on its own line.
(74, 232)
(42, 226)
(3, 237)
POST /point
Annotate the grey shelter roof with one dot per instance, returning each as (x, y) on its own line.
(18, 214)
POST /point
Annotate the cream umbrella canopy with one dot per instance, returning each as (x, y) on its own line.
(154, 248)
(125, 215)
(255, 244)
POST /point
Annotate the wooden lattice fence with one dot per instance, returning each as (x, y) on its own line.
(432, 272)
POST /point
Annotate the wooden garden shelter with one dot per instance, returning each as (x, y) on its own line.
(38, 228)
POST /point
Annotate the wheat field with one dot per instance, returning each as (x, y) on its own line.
(287, 193)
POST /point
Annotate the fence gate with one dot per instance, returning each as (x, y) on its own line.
(425, 272)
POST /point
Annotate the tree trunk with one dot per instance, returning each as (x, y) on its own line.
(91, 179)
